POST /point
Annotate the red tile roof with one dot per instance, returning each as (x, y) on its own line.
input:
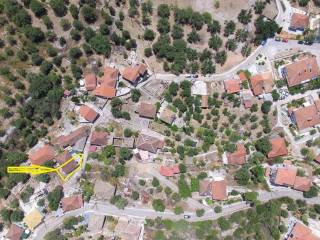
(133, 73)
(72, 137)
(301, 71)
(105, 91)
(242, 76)
(219, 190)
(285, 176)
(279, 147)
(262, 82)
(90, 81)
(42, 155)
(14, 232)
(169, 171)
(232, 86)
(147, 110)
(307, 117)
(72, 203)
(238, 157)
(99, 138)
(302, 183)
(299, 21)
(149, 143)
(317, 159)
(301, 232)
(110, 77)
(88, 113)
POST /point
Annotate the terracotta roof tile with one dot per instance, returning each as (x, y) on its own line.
(72, 203)
(219, 190)
(285, 176)
(72, 137)
(302, 183)
(105, 91)
(204, 101)
(299, 21)
(279, 147)
(307, 117)
(99, 138)
(167, 116)
(133, 73)
(62, 158)
(169, 171)
(238, 157)
(242, 76)
(301, 232)
(147, 110)
(262, 82)
(90, 81)
(88, 113)
(301, 71)
(232, 86)
(42, 155)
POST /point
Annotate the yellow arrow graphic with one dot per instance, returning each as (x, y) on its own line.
(36, 169)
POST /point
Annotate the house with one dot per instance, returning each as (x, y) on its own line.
(110, 77)
(301, 232)
(246, 96)
(285, 176)
(242, 76)
(72, 203)
(302, 183)
(261, 83)
(317, 159)
(134, 73)
(301, 71)
(219, 189)
(205, 187)
(64, 157)
(167, 116)
(105, 91)
(42, 155)
(278, 147)
(238, 157)
(299, 22)
(88, 113)
(149, 143)
(90, 81)
(147, 110)
(33, 219)
(123, 142)
(15, 232)
(204, 101)
(99, 138)
(232, 85)
(143, 156)
(307, 117)
(169, 171)
(73, 137)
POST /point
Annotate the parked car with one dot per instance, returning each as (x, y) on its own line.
(285, 40)
(186, 216)
(277, 39)
(300, 42)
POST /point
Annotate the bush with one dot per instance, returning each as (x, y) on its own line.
(200, 212)
(158, 205)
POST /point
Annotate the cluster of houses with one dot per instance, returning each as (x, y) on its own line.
(299, 231)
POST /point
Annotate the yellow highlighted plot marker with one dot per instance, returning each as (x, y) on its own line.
(36, 169)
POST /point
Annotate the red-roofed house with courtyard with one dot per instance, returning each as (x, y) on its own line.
(110, 77)
(261, 83)
(72, 203)
(307, 117)
(42, 155)
(238, 157)
(133, 73)
(105, 91)
(169, 171)
(90, 81)
(279, 147)
(302, 184)
(219, 189)
(64, 157)
(301, 232)
(88, 113)
(299, 22)
(285, 176)
(232, 86)
(301, 71)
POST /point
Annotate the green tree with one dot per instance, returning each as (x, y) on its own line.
(149, 35)
(178, 210)
(229, 28)
(163, 11)
(100, 44)
(135, 195)
(193, 36)
(200, 212)
(16, 216)
(163, 26)
(313, 192)
(177, 32)
(54, 197)
(158, 205)
(88, 14)
(245, 16)
(266, 107)
(184, 189)
(135, 95)
(231, 45)
(263, 145)
(242, 176)
(37, 8)
(259, 6)
(125, 154)
(59, 7)
(75, 53)
(250, 197)
(215, 42)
